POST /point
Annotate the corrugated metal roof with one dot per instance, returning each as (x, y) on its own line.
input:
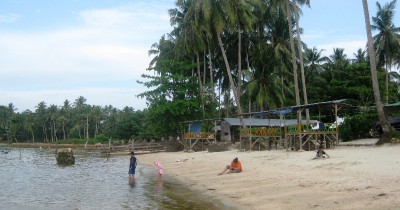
(262, 122)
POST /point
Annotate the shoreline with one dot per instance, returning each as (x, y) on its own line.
(353, 178)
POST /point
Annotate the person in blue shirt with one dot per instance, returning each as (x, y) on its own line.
(132, 165)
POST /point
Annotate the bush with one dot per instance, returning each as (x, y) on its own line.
(357, 126)
(72, 141)
(101, 138)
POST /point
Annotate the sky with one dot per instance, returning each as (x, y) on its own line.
(57, 50)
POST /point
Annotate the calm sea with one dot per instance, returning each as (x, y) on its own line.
(31, 179)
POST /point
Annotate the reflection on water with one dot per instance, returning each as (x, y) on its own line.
(31, 179)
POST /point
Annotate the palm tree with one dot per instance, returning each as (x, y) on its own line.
(387, 41)
(278, 35)
(217, 16)
(300, 49)
(244, 19)
(189, 37)
(294, 59)
(53, 112)
(314, 60)
(42, 117)
(65, 113)
(337, 62)
(360, 56)
(314, 73)
(386, 128)
(265, 80)
(29, 123)
(97, 116)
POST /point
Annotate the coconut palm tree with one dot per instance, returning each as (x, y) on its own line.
(297, 12)
(314, 60)
(337, 62)
(386, 128)
(219, 16)
(265, 81)
(360, 56)
(53, 112)
(189, 37)
(387, 41)
(244, 19)
(294, 59)
(42, 117)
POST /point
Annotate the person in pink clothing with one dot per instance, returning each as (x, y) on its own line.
(159, 167)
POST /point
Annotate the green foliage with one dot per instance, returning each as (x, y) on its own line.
(101, 138)
(396, 137)
(174, 98)
(357, 126)
(72, 141)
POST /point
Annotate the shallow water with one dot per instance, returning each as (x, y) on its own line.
(31, 179)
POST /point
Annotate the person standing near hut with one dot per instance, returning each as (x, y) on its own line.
(132, 166)
(235, 167)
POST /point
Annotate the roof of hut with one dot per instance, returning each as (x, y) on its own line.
(256, 122)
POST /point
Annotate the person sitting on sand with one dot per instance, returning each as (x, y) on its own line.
(235, 167)
(321, 153)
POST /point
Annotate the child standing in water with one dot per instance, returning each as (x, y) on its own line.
(132, 166)
(159, 167)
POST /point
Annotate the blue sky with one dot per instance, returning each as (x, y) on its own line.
(53, 50)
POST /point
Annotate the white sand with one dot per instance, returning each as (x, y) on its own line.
(365, 177)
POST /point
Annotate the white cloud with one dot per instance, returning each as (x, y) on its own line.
(350, 47)
(9, 18)
(108, 49)
(105, 17)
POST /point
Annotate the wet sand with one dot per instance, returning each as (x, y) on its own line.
(358, 176)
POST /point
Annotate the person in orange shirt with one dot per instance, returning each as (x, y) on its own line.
(235, 167)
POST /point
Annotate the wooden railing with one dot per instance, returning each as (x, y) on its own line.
(270, 131)
(293, 129)
(199, 135)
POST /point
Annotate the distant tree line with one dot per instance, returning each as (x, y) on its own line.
(77, 120)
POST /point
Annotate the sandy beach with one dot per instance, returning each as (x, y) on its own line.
(356, 176)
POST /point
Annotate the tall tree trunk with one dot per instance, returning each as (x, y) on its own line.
(294, 63)
(204, 67)
(55, 132)
(228, 71)
(386, 128)
(63, 128)
(292, 48)
(239, 88)
(303, 78)
(387, 81)
(200, 84)
(87, 130)
(51, 132)
(227, 97)
(44, 131)
(211, 71)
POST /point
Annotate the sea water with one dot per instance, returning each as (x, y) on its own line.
(31, 179)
